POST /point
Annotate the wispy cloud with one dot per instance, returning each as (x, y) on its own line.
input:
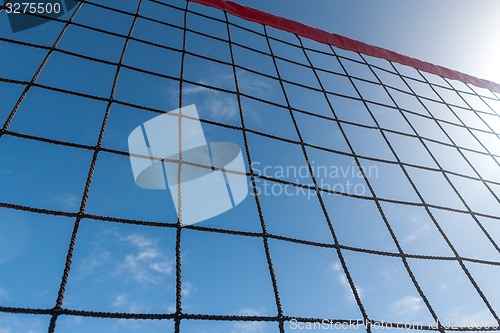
(336, 267)
(67, 201)
(187, 289)
(421, 230)
(220, 105)
(4, 294)
(192, 90)
(6, 171)
(342, 279)
(12, 324)
(462, 317)
(69, 321)
(133, 257)
(98, 258)
(249, 327)
(123, 303)
(251, 84)
(171, 308)
(452, 284)
(147, 264)
(406, 308)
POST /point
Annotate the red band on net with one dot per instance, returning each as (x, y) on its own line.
(342, 42)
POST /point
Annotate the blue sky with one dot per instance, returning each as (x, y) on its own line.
(130, 268)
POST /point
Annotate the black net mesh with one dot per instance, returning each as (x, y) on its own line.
(422, 204)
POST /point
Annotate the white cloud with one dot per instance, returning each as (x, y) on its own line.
(341, 277)
(21, 324)
(120, 300)
(196, 89)
(68, 201)
(336, 267)
(171, 308)
(347, 287)
(251, 84)
(249, 327)
(421, 230)
(4, 294)
(406, 308)
(455, 283)
(222, 106)
(460, 317)
(69, 321)
(187, 289)
(88, 265)
(147, 264)
(5, 172)
(132, 257)
(161, 267)
(123, 303)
